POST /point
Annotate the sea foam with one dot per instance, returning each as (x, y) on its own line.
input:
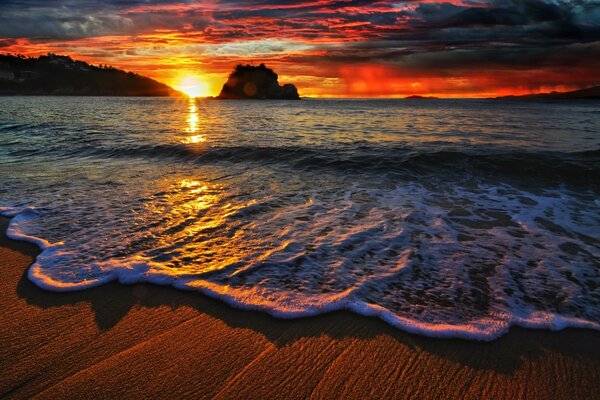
(399, 258)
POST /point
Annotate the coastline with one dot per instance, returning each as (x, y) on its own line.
(151, 341)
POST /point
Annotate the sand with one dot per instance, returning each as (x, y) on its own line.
(145, 341)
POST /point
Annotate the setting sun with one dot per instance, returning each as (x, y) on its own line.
(194, 86)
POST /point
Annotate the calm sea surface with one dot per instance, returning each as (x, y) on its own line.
(443, 217)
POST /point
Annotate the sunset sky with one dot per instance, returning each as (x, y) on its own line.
(352, 48)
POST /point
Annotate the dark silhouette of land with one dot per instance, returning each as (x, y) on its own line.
(589, 93)
(416, 97)
(256, 82)
(61, 75)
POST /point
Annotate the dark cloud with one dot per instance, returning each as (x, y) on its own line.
(554, 19)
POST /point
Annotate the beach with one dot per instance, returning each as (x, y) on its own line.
(148, 341)
(300, 199)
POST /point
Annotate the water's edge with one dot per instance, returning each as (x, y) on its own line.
(531, 320)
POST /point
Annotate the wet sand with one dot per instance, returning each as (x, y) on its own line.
(145, 341)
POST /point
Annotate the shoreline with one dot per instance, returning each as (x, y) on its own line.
(551, 322)
(147, 340)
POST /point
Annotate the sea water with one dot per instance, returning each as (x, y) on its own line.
(448, 218)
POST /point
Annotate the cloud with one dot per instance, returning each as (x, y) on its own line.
(529, 40)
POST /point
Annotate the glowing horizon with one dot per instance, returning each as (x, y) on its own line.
(194, 85)
(327, 48)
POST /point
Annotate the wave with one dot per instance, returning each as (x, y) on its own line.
(135, 272)
(358, 246)
(577, 167)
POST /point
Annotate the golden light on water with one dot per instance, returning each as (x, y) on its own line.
(201, 218)
(193, 124)
(194, 139)
(193, 118)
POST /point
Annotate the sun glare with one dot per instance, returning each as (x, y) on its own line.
(194, 86)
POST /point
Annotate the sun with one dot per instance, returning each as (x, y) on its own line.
(194, 86)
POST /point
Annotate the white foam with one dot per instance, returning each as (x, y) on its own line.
(351, 246)
(281, 305)
(18, 217)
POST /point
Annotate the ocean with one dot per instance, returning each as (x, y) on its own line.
(446, 218)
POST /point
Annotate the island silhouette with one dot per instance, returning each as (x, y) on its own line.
(417, 97)
(583, 94)
(61, 75)
(256, 82)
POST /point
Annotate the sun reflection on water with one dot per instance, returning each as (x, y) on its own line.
(193, 125)
(201, 229)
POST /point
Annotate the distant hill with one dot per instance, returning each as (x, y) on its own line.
(417, 97)
(60, 75)
(256, 82)
(589, 93)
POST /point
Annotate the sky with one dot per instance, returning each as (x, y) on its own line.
(328, 48)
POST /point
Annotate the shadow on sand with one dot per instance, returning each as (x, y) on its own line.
(112, 302)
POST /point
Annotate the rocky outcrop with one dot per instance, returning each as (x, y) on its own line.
(256, 82)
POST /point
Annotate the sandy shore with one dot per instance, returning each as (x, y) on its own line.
(146, 341)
